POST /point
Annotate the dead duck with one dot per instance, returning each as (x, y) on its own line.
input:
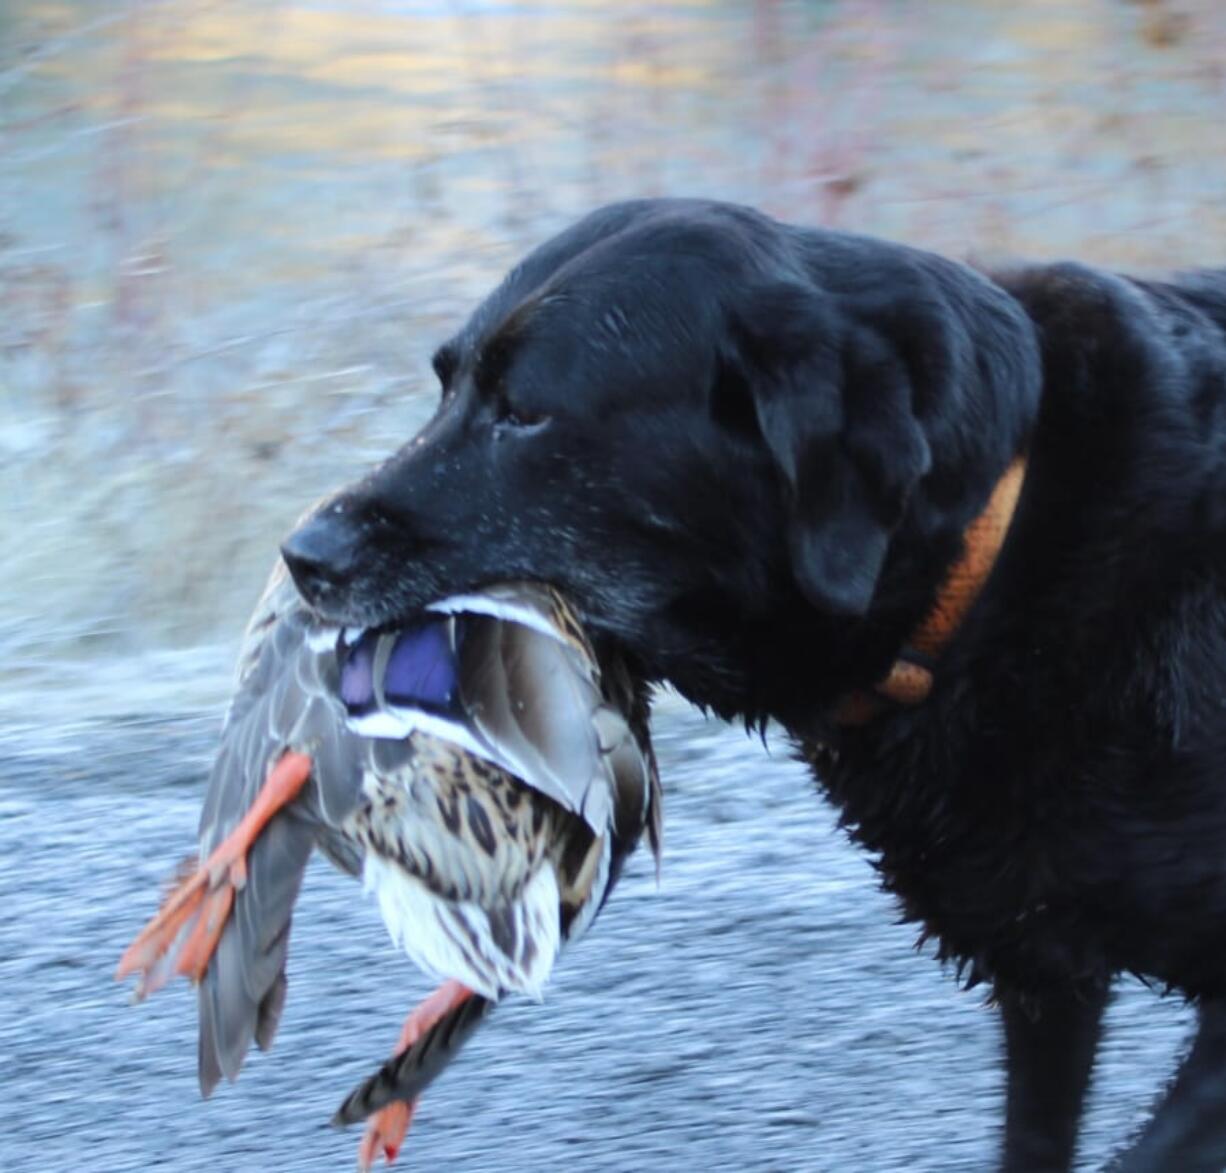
(478, 768)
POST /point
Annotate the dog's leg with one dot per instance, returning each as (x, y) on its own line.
(1050, 1048)
(1188, 1132)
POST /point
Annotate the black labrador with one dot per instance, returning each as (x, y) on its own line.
(751, 452)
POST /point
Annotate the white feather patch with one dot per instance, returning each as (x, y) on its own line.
(512, 612)
(452, 939)
(395, 723)
(322, 639)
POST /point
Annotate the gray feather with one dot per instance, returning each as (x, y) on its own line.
(240, 989)
(533, 700)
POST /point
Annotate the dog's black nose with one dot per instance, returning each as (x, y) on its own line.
(321, 555)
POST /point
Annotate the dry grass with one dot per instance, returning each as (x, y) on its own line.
(230, 234)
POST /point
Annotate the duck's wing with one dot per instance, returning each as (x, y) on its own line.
(286, 699)
(530, 685)
(634, 778)
(286, 696)
(631, 784)
(506, 675)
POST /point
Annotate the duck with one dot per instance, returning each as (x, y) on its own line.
(478, 767)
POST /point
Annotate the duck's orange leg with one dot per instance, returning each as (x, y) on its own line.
(387, 1128)
(183, 935)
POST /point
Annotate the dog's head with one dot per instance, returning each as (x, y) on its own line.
(717, 434)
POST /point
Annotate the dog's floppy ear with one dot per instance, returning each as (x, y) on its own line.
(833, 402)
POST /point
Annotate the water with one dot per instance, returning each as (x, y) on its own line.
(760, 1010)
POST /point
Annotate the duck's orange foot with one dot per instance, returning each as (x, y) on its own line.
(184, 934)
(387, 1126)
(385, 1133)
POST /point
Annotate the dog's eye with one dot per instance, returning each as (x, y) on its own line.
(510, 418)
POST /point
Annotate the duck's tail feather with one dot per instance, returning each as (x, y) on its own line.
(406, 1075)
(243, 991)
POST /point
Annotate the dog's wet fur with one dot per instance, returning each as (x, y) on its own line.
(749, 451)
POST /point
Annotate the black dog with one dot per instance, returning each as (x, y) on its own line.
(750, 452)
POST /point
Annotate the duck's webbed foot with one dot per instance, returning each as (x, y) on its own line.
(181, 938)
(385, 1133)
(387, 1128)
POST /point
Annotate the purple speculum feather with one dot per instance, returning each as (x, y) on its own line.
(422, 667)
(357, 674)
(420, 672)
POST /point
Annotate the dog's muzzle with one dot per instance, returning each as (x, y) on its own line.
(322, 556)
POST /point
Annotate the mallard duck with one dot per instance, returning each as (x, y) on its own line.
(478, 768)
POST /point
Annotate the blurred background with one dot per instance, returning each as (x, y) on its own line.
(231, 233)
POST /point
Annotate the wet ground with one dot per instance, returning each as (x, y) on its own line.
(759, 1011)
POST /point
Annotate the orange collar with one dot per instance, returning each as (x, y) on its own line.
(909, 680)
